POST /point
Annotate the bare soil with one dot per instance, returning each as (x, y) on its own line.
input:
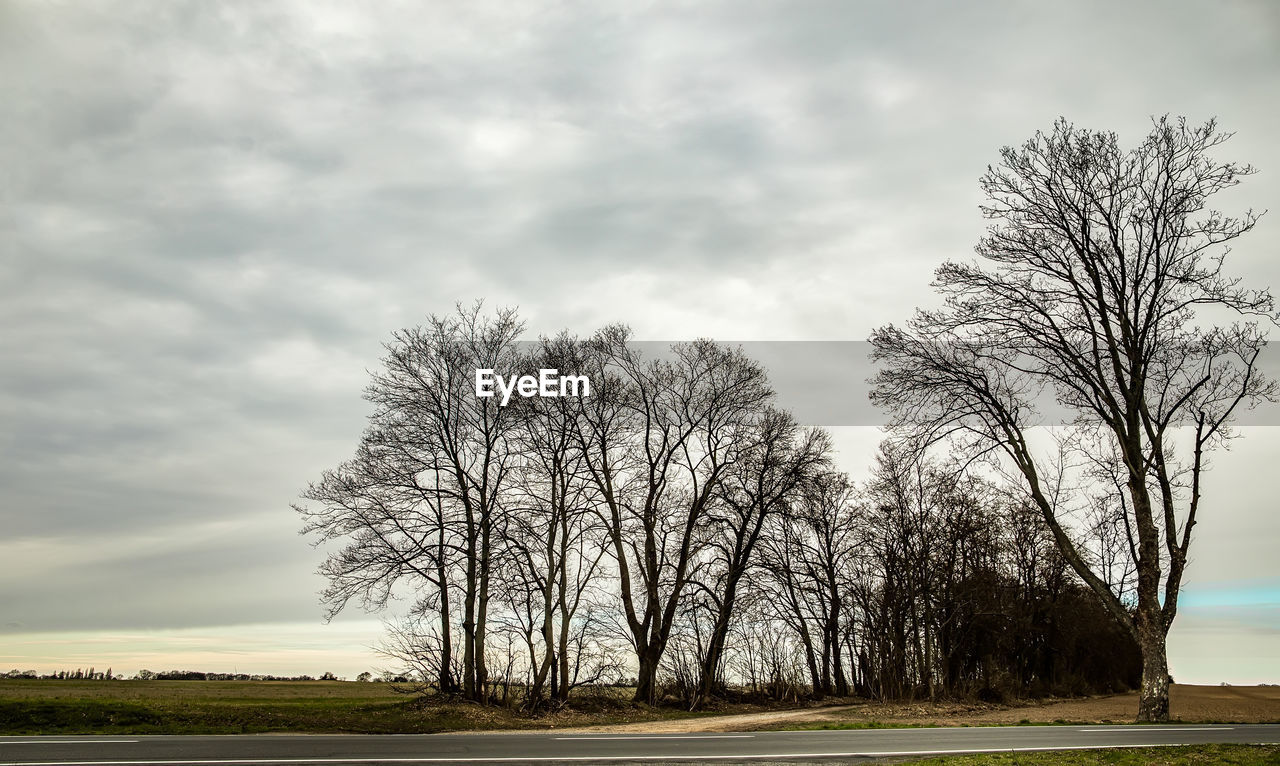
(1235, 704)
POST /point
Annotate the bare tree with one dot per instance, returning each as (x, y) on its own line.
(659, 436)
(1099, 266)
(415, 644)
(804, 565)
(423, 496)
(902, 535)
(552, 533)
(778, 459)
(792, 595)
(388, 506)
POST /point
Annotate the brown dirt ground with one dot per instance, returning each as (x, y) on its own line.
(1236, 704)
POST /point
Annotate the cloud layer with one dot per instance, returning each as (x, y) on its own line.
(213, 214)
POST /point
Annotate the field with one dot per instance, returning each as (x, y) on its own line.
(1200, 704)
(236, 707)
(223, 707)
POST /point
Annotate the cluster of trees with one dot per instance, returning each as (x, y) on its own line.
(676, 525)
(383, 676)
(677, 528)
(920, 583)
(516, 525)
(1100, 293)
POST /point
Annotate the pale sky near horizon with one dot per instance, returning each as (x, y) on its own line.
(213, 214)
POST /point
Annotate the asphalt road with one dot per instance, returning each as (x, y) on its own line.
(550, 747)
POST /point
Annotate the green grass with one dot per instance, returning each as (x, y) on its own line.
(214, 707)
(1191, 755)
(242, 707)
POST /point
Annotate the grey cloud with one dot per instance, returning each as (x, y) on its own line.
(166, 581)
(213, 214)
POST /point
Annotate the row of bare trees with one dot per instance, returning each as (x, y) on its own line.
(920, 583)
(673, 526)
(510, 518)
(677, 511)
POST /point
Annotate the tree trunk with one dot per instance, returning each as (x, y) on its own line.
(841, 687)
(447, 683)
(811, 658)
(647, 679)
(546, 666)
(1153, 698)
(1148, 622)
(715, 647)
(842, 681)
(562, 657)
(469, 642)
(472, 687)
(481, 628)
(710, 666)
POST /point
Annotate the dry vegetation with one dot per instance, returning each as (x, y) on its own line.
(234, 707)
(1237, 704)
(227, 707)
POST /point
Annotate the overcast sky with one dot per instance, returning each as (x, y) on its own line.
(213, 214)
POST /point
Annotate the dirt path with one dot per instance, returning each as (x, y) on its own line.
(735, 722)
(1239, 704)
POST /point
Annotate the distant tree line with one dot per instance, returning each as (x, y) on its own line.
(198, 675)
(79, 674)
(180, 675)
(678, 531)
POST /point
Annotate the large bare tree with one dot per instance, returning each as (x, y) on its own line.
(1100, 292)
(659, 437)
(423, 497)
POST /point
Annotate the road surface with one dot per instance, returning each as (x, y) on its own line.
(550, 747)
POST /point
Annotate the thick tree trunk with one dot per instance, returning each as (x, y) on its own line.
(710, 666)
(826, 662)
(562, 655)
(647, 679)
(546, 666)
(1153, 697)
(1148, 621)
